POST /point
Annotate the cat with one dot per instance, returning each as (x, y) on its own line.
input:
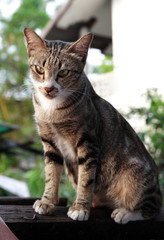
(106, 161)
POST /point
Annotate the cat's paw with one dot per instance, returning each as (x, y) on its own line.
(78, 214)
(43, 207)
(120, 215)
(123, 216)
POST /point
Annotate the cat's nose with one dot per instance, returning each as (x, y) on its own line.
(48, 89)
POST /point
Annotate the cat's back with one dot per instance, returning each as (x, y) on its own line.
(118, 138)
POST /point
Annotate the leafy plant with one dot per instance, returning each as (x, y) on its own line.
(13, 52)
(153, 136)
(106, 66)
(35, 179)
(15, 99)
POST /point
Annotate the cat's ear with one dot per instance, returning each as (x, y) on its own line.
(81, 46)
(34, 42)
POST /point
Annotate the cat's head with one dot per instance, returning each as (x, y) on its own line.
(56, 66)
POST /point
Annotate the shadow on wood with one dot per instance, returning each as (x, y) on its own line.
(23, 222)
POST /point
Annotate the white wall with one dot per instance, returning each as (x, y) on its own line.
(138, 49)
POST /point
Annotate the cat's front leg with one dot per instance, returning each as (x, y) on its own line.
(53, 169)
(88, 160)
(86, 179)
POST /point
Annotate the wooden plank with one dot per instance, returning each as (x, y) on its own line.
(26, 201)
(58, 226)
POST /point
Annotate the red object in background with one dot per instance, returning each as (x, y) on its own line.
(5, 232)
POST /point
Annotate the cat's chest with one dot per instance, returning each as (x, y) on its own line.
(64, 146)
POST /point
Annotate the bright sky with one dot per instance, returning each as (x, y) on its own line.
(8, 7)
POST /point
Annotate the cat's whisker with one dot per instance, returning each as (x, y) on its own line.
(106, 161)
(77, 91)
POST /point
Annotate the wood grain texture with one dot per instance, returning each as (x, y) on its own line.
(59, 226)
(26, 201)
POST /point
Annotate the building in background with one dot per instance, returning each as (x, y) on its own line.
(79, 17)
(130, 30)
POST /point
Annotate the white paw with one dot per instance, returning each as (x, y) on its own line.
(123, 216)
(44, 208)
(79, 215)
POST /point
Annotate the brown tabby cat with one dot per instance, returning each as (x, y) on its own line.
(107, 163)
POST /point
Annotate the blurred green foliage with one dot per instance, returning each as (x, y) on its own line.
(106, 65)
(15, 98)
(35, 179)
(13, 54)
(153, 135)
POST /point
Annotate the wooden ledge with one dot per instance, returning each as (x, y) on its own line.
(25, 224)
(26, 201)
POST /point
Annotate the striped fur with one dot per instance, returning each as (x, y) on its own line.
(106, 161)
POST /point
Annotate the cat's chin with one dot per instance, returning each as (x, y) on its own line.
(49, 96)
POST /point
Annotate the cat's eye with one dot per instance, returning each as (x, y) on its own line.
(39, 69)
(63, 73)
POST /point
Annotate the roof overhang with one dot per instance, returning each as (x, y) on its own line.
(78, 17)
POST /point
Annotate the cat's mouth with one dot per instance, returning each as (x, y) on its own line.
(49, 92)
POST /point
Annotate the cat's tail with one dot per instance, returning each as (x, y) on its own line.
(151, 202)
